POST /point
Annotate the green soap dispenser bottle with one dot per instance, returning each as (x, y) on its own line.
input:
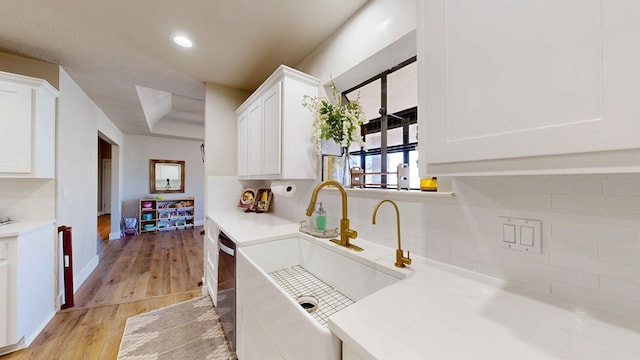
(321, 218)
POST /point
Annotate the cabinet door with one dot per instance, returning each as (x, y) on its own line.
(243, 128)
(4, 303)
(505, 80)
(16, 122)
(254, 139)
(211, 260)
(271, 126)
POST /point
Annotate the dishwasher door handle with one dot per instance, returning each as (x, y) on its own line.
(226, 249)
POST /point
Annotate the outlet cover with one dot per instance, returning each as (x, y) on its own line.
(520, 234)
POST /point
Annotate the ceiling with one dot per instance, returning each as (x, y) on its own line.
(121, 54)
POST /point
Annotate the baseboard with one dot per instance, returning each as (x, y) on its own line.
(13, 347)
(29, 338)
(114, 235)
(59, 300)
(85, 272)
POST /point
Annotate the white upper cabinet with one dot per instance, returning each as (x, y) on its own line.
(27, 127)
(528, 87)
(274, 129)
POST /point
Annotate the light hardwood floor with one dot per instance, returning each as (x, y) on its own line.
(135, 275)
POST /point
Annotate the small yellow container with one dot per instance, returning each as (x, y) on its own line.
(429, 184)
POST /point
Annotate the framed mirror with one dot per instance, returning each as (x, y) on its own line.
(166, 176)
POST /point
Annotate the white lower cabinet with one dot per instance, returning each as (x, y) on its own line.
(253, 340)
(6, 337)
(348, 353)
(211, 257)
(27, 127)
(537, 87)
(27, 283)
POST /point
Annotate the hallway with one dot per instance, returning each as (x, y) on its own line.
(136, 274)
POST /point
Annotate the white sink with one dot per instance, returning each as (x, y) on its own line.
(271, 323)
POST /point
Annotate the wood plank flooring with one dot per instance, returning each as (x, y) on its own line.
(104, 226)
(135, 275)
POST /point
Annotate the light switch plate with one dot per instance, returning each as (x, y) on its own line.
(520, 234)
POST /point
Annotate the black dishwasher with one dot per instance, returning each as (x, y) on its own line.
(227, 287)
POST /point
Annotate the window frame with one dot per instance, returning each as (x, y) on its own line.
(384, 123)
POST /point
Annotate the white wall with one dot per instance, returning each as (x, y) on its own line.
(220, 122)
(223, 187)
(138, 150)
(348, 56)
(115, 137)
(79, 120)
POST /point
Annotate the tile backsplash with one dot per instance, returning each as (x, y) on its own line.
(590, 233)
(27, 199)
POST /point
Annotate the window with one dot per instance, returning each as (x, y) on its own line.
(389, 100)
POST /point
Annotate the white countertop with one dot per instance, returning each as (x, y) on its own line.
(250, 228)
(442, 312)
(22, 227)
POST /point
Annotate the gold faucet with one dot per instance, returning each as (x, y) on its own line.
(345, 232)
(400, 259)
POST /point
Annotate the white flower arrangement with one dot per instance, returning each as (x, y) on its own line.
(335, 121)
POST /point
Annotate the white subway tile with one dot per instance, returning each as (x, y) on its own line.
(502, 255)
(628, 309)
(587, 300)
(581, 298)
(627, 187)
(530, 201)
(542, 270)
(487, 200)
(573, 262)
(573, 277)
(440, 256)
(622, 219)
(579, 240)
(438, 246)
(617, 251)
(602, 202)
(619, 271)
(576, 185)
(471, 254)
(621, 288)
(580, 216)
(485, 184)
(463, 263)
(531, 184)
(517, 278)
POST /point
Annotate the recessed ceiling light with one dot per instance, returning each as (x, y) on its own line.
(182, 41)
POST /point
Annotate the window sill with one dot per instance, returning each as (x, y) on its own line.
(395, 194)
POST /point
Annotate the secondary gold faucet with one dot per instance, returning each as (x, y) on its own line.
(345, 232)
(400, 259)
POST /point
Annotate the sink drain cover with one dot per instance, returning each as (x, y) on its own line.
(308, 302)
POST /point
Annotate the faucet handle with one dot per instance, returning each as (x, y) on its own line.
(401, 260)
(407, 260)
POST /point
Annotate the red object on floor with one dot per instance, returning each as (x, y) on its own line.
(68, 266)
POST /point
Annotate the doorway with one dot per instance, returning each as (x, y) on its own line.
(106, 187)
(105, 172)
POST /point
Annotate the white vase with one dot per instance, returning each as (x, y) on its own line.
(346, 164)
